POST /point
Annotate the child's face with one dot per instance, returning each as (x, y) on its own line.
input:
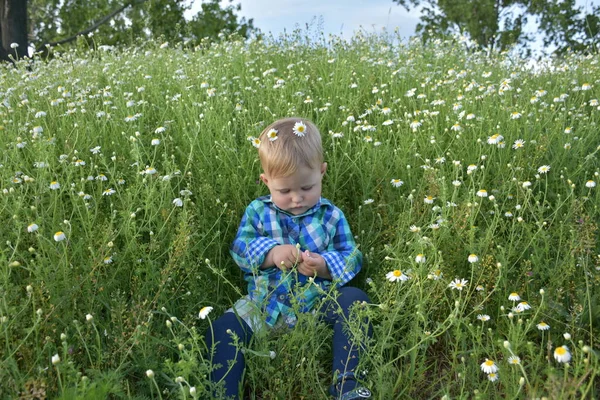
(298, 192)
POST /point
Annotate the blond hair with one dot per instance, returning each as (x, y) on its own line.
(283, 156)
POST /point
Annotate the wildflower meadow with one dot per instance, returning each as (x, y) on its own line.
(469, 179)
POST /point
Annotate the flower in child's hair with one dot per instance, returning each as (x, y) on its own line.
(458, 284)
(32, 228)
(515, 360)
(420, 258)
(272, 135)
(514, 296)
(256, 142)
(59, 236)
(204, 312)
(473, 258)
(493, 377)
(562, 354)
(396, 275)
(489, 366)
(299, 129)
(542, 326)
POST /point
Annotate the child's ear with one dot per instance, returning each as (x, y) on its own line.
(264, 178)
(323, 168)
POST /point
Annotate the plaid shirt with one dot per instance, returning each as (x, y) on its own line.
(322, 229)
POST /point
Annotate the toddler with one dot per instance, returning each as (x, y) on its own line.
(292, 246)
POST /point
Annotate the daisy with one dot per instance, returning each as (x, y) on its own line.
(542, 326)
(479, 288)
(482, 193)
(514, 360)
(420, 258)
(54, 185)
(160, 129)
(493, 377)
(435, 275)
(108, 260)
(586, 86)
(414, 228)
(590, 184)
(109, 192)
(59, 236)
(155, 142)
(178, 202)
(519, 143)
(32, 228)
(429, 199)
(483, 317)
(495, 139)
(368, 201)
(79, 163)
(396, 275)
(204, 312)
(256, 142)
(515, 115)
(272, 135)
(387, 122)
(514, 296)
(568, 129)
(473, 258)
(396, 183)
(95, 150)
(299, 129)
(458, 284)
(471, 168)
(544, 169)
(456, 183)
(562, 354)
(489, 366)
(415, 124)
(522, 306)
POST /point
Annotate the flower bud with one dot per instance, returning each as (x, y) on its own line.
(150, 374)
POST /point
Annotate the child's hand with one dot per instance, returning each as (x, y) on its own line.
(313, 264)
(283, 256)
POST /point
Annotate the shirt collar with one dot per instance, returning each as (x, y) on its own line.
(321, 202)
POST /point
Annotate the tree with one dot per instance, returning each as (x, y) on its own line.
(499, 24)
(112, 22)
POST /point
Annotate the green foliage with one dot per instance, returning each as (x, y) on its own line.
(500, 25)
(141, 20)
(140, 157)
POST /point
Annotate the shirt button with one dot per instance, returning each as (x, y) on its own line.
(295, 220)
(282, 297)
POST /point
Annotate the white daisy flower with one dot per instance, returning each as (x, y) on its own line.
(396, 275)
(562, 354)
(489, 366)
(458, 284)
(204, 312)
(299, 129)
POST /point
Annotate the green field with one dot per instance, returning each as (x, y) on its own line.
(125, 173)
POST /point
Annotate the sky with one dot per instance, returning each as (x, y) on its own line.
(338, 17)
(341, 17)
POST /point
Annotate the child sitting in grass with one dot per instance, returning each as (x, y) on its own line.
(293, 227)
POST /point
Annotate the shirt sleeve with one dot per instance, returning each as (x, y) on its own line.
(343, 258)
(251, 243)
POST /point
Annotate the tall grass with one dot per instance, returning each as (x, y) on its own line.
(141, 158)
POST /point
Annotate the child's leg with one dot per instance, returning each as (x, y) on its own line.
(226, 351)
(345, 353)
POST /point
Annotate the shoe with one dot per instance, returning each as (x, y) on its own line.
(359, 392)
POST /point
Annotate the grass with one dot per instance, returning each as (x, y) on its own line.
(149, 150)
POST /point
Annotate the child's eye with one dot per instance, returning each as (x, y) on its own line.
(307, 188)
(284, 191)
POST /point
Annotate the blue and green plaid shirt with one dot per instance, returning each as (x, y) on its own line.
(322, 229)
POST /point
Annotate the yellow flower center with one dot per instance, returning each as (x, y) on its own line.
(489, 363)
(397, 273)
(561, 351)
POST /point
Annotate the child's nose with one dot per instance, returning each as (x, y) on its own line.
(297, 198)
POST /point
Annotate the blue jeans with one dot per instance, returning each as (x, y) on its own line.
(345, 354)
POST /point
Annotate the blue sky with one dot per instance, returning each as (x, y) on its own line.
(341, 17)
